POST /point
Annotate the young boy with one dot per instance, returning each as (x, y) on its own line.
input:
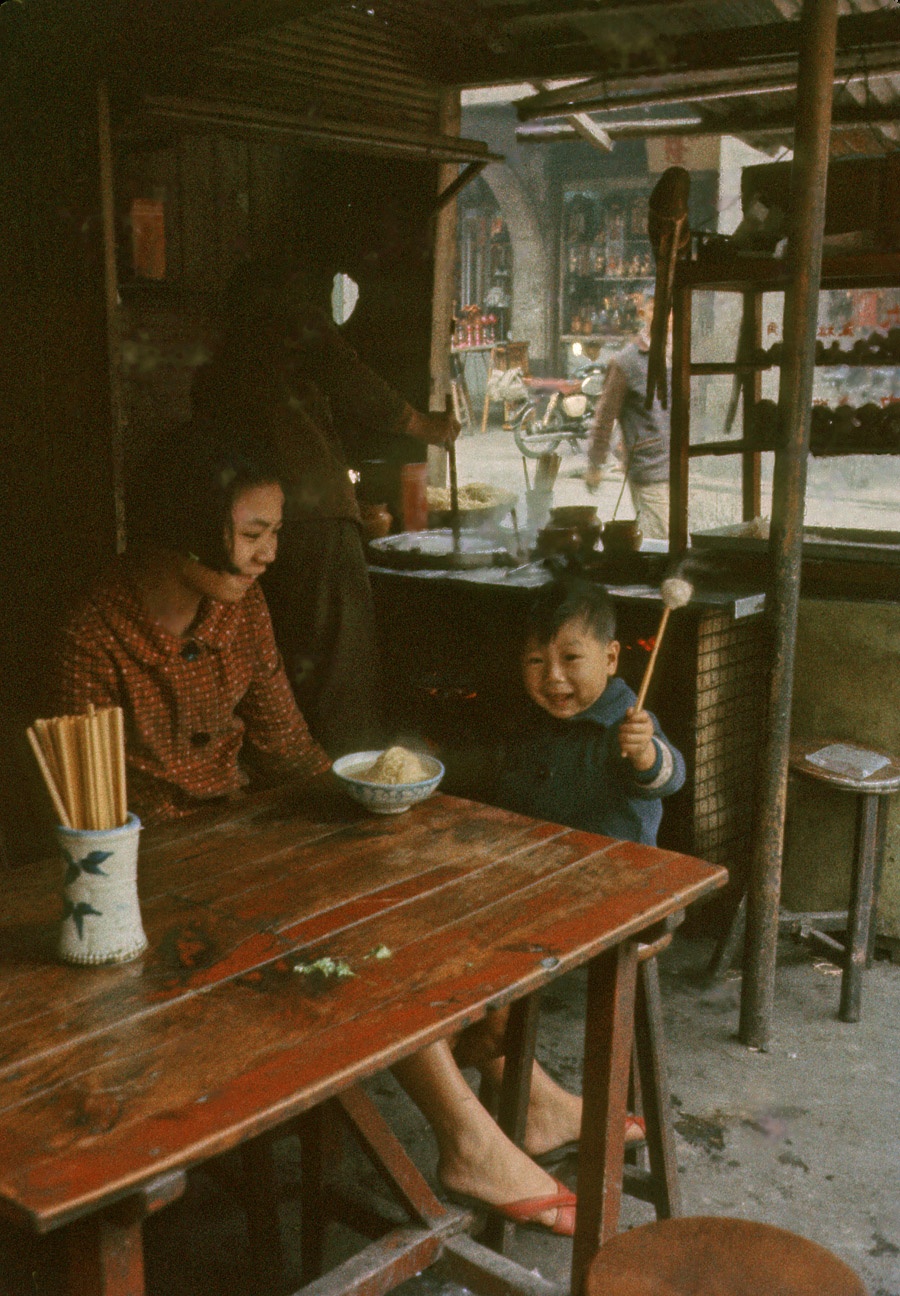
(590, 760)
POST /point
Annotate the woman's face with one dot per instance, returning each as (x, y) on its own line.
(252, 545)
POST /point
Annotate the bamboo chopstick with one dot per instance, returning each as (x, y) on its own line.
(82, 761)
(49, 780)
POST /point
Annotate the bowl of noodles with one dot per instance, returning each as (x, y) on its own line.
(388, 781)
(479, 505)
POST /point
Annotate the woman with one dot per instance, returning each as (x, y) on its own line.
(177, 633)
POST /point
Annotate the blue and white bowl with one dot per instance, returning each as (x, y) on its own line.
(384, 798)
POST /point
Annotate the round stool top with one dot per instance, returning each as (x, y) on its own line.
(706, 1256)
(881, 782)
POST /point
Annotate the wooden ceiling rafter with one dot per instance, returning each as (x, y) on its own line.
(521, 13)
(242, 120)
(686, 86)
(851, 117)
(656, 54)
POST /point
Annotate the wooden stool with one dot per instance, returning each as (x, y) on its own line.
(871, 819)
(707, 1256)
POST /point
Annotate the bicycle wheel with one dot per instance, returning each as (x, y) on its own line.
(533, 437)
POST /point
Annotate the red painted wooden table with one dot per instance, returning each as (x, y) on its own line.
(117, 1080)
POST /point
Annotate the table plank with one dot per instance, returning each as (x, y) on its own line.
(103, 1114)
(204, 934)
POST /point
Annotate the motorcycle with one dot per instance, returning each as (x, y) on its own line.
(538, 426)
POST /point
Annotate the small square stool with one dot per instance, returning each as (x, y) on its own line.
(872, 792)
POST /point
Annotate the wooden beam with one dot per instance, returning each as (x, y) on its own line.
(248, 119)
(801, 304)
(600, 56)
(527, 14)
(699, 85)
(584, 126)
(850, 117)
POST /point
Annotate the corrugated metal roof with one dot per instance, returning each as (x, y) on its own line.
(662, 62)
(385, 62)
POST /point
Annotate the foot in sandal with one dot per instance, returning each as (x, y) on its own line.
(495, 1173)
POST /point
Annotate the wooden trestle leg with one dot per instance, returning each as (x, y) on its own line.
(608, 1038)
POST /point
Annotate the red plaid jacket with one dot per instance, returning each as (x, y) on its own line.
(192, 705)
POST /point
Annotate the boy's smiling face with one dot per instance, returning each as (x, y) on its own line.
(568, 674)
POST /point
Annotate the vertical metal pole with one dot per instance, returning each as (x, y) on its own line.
(815, 78)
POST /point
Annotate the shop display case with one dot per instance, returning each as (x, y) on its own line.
(606, 264)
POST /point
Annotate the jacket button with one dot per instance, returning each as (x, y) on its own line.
(191, 650)
(200, 739)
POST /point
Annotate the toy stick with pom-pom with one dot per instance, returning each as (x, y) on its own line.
(675, 593)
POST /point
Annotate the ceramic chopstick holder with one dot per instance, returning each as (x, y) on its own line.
(101, 920)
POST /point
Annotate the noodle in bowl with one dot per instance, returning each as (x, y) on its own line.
(373, 778)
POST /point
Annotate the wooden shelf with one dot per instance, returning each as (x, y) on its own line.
(752, 277)
(738, 446)
(594, 337)
(699, 369)
(768, 274)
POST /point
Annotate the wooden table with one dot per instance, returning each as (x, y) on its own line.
(117, 1080)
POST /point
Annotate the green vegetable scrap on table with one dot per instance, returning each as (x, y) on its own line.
(339, 968)
(326, 967)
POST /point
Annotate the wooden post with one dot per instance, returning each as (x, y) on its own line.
(751, 486)
(808, 177)
(111, 292)
(679, 480)
(442, 297)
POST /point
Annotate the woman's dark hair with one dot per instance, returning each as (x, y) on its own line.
(567, 599)
(183, 496)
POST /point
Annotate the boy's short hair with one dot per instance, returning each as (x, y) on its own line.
(183, 496)
(567, 599)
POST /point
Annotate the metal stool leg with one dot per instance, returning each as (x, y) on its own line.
(870, 829)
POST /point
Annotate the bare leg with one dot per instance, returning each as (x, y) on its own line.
(474, 1156)
(554, 1114)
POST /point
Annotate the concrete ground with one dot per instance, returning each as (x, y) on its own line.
(805, 1136)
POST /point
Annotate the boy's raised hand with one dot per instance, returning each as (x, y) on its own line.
(636, 739)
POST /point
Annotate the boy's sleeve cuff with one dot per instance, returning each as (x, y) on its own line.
(660, 771)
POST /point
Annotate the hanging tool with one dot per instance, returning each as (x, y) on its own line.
(454, 484)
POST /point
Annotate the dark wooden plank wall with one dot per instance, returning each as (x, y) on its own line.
(56, 484)
(225, 199)
(229, 199)
(223, 203)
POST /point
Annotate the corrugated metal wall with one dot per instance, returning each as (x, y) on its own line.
(344, 66)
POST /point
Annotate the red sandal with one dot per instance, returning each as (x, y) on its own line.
(565, 1154)
(527, 1210)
